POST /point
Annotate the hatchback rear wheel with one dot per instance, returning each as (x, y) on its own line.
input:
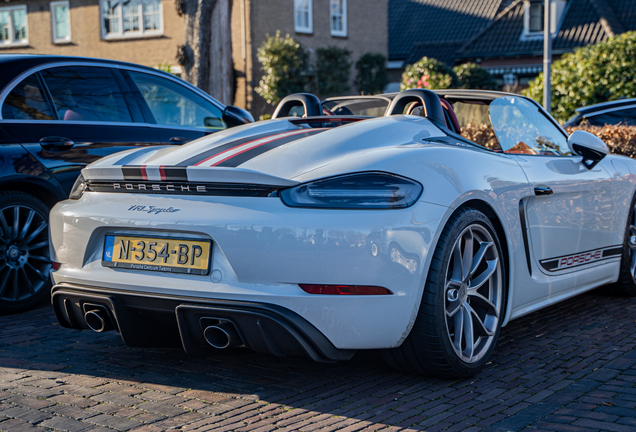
(24, 251)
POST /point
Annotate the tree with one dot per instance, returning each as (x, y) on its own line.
(473, 76)
(286, 67)
(371, 74)
(206, 56)
(332, 70)
(429, 74)
(597, 73)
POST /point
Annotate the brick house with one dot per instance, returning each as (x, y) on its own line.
(149, 32)
(505, 36)
(358, 25)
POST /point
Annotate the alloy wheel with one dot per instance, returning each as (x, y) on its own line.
(473, 293)
(24, 253)
(631, 242)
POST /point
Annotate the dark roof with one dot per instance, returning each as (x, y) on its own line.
(605, 105)
(585, 22)
(428, 27)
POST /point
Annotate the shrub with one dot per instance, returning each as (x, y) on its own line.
(428, 73)
(333, 68)
(591, 74)
(371, 74)
(286, 66)
(473, 76)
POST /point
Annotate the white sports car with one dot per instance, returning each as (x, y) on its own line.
(321, 236)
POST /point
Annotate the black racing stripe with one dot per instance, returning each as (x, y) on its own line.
(216, 150)
(250, 154)
(176, 173)
(132, 172)
(612, 252)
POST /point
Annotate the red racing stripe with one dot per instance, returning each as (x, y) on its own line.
(272, 138)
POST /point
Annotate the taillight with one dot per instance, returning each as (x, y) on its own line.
(56, 265)
(345, 289)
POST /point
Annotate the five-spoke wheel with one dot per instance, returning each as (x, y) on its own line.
(24, 251)
(473, 293)
(462, 306)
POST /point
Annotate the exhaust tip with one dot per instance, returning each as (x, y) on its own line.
(95, 321)
(217, 337)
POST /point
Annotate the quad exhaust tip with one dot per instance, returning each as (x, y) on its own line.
(221, 336)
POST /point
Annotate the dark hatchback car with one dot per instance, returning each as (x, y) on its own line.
(58, 114)
(621, 111)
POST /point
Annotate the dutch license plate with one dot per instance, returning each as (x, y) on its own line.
(157, 254)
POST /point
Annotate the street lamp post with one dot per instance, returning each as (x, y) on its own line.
(547, 57)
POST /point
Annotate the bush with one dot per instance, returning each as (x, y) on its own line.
(332, 70)
(371, 74)
(620, 139)
(473, 76)
(592, 74)
(429, 74)
(286, 66)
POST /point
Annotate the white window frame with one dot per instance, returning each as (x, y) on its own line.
(130, 34)
(21, 42)
(335, 32)
(310, 17)
(57, 40)
(557, 12)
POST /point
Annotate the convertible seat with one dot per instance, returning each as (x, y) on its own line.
(416, 109)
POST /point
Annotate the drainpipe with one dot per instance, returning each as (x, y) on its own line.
(547, 57)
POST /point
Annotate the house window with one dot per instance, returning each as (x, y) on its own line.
(131, 18)
(536, 16)
(303, 16)
(60, 21)
(13, 26)
(339, 17)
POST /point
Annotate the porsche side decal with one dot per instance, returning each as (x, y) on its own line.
(582, 258)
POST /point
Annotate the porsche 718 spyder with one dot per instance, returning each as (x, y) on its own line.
(328, 234)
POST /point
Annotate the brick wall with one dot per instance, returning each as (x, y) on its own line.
(86, 35)
(367, 31)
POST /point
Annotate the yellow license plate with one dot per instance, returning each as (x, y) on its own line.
(157, 254)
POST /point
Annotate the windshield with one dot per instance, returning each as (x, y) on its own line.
(521, 128)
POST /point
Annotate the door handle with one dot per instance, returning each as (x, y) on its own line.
(542, 190)
(178, 140)
(56, 143)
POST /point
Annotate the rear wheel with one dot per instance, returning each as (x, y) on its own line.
(626, 284)
(24, 251)
(458, 322)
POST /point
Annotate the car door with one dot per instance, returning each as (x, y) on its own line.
(177, 113)
(70, 115)
(570, 216)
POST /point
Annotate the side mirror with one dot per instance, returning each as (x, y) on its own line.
(591, 147)
(234, 116)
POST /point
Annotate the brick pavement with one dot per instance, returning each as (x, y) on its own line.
(571, 367)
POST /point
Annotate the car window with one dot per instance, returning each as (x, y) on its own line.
(27, 102)
(84, 93)
(359, 107)
(625, 117)
(522, 128)
(172, 104)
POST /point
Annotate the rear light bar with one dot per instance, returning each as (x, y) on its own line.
(345, 289)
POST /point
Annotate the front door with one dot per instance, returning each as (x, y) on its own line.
(570, 215)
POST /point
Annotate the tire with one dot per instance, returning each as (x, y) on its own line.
(453, 297)
(24, 252)
(626, 284)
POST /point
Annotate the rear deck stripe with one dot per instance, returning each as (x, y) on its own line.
(237, 149)
(253, 152)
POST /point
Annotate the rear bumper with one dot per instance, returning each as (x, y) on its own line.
(164, 321)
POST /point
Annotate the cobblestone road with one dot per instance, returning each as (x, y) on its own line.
(569, 368)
